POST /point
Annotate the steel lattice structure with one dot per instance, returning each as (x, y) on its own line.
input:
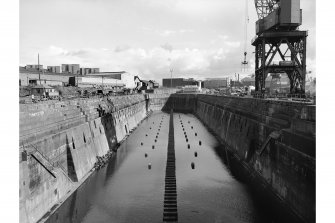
(278, 38)
(264, 7)
(290, 46)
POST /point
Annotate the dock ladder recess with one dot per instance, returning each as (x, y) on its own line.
(170, 197)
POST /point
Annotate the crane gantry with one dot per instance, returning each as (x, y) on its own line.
(278, 37)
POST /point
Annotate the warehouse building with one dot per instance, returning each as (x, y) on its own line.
(34, 77)
(53, 69)
(178, 82)
(34, 67)
(121, 77)
(85, 71)
(71, 68)
(214, 83)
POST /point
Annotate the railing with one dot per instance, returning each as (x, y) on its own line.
(305, 98)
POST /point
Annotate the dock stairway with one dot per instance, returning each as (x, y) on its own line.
(170, 213)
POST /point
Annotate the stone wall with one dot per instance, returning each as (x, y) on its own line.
(59, 143)
(272, 141)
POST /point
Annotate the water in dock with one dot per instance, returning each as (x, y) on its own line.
(132, 187)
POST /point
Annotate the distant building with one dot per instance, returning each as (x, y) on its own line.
(71, 68)
(44, 90)
(190, 89)
(53, 69)
(213, 83)
(178, 82)
(273, 83)
(95, 70)
(82, 71)
(34, 66)
(34, 77)
(98, 81)
(120, 77)
(236, 83)
(248, 81)
(85, 71)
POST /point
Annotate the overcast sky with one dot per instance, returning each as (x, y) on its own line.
(198, 38)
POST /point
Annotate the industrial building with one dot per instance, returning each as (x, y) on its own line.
(71, 68)
(120, 77)
(109, 80)
(273, 83)
(34, 77)
(213, 83)
(54, 69)
(44, 90)
(34, 66)
(98, 81)
(178, 82)
(85, 71)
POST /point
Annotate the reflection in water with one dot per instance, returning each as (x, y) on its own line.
(127, 191)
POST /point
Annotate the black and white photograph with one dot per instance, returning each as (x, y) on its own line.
(189, 111)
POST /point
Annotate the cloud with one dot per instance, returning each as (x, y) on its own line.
(152, 63)
(121, 48)
(167, 47)
(174, 32)
(167, 32)
(201, 37)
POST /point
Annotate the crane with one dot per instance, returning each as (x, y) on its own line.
(265, 7)
(246, 21)
(280, 47)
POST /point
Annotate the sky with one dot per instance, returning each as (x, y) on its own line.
(197, 38)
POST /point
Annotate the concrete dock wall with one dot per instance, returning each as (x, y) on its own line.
(273, 141)
(59, 143)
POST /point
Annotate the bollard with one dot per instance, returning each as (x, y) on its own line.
(188, 146)
(146, 134)
(191, 127)
(199, 142)
(155, 140)
(195, 134)
(145, 155)
(149, 166)
(192, 165)
(141, 143)
(186, 139)
(195, 154)
(153, 147)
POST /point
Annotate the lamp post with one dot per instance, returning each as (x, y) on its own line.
(171, 70)
(38, 67)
